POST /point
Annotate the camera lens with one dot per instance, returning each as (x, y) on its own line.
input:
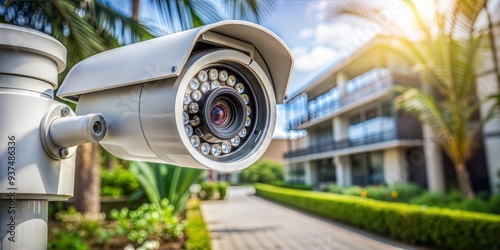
(220, 111)
(219, 114)
(224, 114)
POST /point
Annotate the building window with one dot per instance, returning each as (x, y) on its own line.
(325, 170)
(372, 122)
(325, 104)
(368, 168)
(366, 79)
(296, 173)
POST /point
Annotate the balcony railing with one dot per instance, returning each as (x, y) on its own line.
(384, 82)
(350, 143)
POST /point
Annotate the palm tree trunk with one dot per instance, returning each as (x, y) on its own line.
(135, 9)
(464, 180)
(88, 179)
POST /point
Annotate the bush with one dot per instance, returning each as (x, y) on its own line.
(63, 240)
(118, 182)
(291, 185)
(148, 222)
(208, 190)
(197, 235)
(494, 204)
(79, 231)
(222, 188)
(211, 190)
(429, 199)
(406, 192)
(265, 171)
(438, 200)
(334, 188)
(382, 193)
(352, 190)
(443, 228)
(475, 205)
(397, 192)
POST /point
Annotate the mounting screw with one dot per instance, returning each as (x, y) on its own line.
(64, 152)
(65, 111)
(173, 69)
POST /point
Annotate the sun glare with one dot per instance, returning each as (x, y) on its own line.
(407, 21)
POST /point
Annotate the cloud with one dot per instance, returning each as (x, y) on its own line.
(306, 33)
(330, 34)
(317, 8)
(323, 41)
(310, 59)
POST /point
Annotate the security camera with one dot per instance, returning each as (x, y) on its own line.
(203, 98)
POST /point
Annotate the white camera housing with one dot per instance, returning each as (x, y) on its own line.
(141, 90)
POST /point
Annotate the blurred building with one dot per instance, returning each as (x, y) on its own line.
(276, 150)
(356, 137)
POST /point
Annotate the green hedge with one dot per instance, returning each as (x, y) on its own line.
(197, 235)
(291, 185)
(414, 224)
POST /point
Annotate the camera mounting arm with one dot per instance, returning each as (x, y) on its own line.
(61, 130)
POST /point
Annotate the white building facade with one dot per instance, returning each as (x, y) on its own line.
(356, 137)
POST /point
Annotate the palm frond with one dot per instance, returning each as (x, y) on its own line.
(423, 25)
(147, 178)
(160, 181)
(122, 27)
(249, 10)
(85, 28)
(179, 15)
(425, 107)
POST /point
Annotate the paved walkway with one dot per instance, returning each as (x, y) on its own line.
(245, 221)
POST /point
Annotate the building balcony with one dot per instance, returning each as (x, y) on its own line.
(372, 88)
(352, 145)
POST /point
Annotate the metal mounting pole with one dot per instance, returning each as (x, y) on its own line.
(38, 136)
(30, 220)
(30, 62)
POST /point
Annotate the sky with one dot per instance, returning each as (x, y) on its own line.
(316, 43)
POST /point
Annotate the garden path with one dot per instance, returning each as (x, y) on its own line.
(244, 221)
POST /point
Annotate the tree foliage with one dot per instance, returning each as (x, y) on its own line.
(265, 171)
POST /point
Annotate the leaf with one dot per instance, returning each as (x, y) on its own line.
(161, 181)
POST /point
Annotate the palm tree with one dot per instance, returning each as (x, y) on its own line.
(449, 52)
(85, 28)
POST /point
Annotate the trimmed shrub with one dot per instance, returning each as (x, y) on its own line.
(197, 234)
(334, 188)
(407, 191)
(353, 190)
(475, 204)
(443, 228)
(398, 192)
(494, 204)
(222, 188)
(382, 193)
(208, 190)
(294, 186)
